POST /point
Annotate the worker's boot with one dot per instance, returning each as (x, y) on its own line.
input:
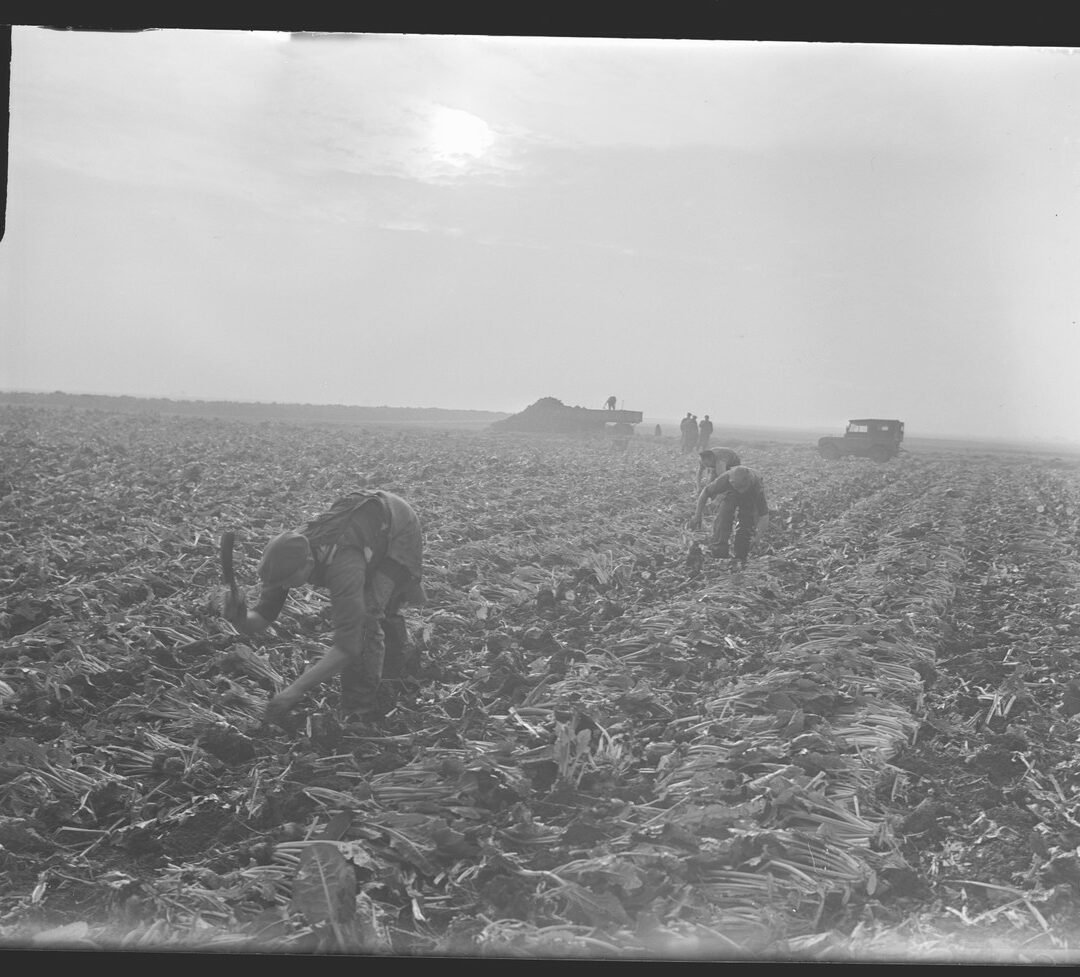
(742, 551)
(401, 664)
(360, 679)
(395, 637)
(358, 694)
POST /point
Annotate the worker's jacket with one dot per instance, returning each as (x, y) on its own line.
(753, 495)
(722, 460)
(370, 561)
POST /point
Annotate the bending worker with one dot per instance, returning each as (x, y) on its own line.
(367, 551)
(742, 504)
(714, 463)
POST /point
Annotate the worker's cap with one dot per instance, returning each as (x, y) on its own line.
(283, 556)
(740, 477)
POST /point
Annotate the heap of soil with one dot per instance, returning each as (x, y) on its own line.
(549, 414)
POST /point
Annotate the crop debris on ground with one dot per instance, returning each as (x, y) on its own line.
(862, 746)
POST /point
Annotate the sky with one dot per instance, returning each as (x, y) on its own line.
(784, 234)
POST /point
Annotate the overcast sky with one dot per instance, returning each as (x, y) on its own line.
(772, 233)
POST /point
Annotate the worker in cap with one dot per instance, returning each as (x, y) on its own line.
(714, 462)
(283, 559)
(367, 551)
(742, 505)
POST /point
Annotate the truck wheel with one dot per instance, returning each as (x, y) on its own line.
(879, 453)
(830, 452)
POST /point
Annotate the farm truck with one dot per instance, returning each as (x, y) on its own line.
(865, 437)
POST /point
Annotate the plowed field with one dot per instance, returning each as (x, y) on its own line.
(863, 745)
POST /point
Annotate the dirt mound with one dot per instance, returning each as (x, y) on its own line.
(548, 414)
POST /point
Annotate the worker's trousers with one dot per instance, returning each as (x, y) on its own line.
(740, 513)
(383, 651)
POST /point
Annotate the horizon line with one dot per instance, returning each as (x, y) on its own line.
(646, 418)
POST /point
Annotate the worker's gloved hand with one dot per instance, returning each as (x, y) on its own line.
(234, 609)
(694, 523)
(278, 709)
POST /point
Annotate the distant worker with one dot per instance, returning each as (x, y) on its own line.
(689, 429)
(658, 431)
(367, 552)
(610, 404)
(704, 433)
(714, 462)
(742, 504)
(684, 425)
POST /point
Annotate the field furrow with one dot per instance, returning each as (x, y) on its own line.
(610, 747)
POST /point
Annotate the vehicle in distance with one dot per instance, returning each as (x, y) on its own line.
(866, 437)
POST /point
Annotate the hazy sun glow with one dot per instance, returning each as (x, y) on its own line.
(458, 136)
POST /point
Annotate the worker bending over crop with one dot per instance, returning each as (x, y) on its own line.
(714, 463)
(742, 504)
(367, 551)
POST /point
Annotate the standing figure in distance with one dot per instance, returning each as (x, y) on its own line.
(742, 505)
(689, 429)
(704, 433)
(610, 404)
(367, 551)
(683, 425)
